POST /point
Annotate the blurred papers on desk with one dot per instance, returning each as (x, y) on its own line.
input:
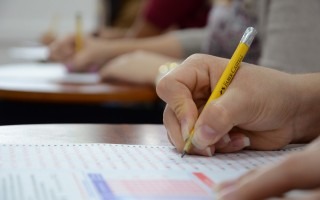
(37, 53)
(49, 72)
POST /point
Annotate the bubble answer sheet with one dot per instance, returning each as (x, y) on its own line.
(118, 172)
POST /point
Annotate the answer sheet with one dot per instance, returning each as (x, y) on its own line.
(33, 53)
(111, 171)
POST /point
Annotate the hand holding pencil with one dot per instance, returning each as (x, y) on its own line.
(81, 53)
(243, 111)
(226, 77)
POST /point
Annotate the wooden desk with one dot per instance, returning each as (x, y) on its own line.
(38, 93)
(84, 133)
(52, 83)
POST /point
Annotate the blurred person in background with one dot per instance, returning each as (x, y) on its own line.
(228, 20)
(226, 23)
(144, 18)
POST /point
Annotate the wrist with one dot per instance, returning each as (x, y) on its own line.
(117, 47)
(307, 120)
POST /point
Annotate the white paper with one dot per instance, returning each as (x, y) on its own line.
(110, 171)
(37, 53)
(45, 72)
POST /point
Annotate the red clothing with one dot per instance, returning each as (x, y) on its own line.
(178, 13)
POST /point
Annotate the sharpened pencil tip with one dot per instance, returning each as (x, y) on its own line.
(183, 153)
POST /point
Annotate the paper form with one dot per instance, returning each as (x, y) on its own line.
(45, 72)
(36, 53)
(111, 171)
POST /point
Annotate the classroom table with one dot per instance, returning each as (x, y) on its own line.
(50, 82)
(35, 93)
(145, 134)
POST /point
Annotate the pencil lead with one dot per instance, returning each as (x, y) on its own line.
(183, 153)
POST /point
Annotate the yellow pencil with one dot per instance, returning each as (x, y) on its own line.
(227, 75)
(54, 24)
(78, 36)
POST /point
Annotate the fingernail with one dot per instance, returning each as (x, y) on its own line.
(223, 142)
(246, 141)
(202, 135)
(240, 142)
(204, 152)
(185, 129)
(228, 194)
(226, 139)
(209, 153)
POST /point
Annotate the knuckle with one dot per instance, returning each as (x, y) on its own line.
(163, 86)
(196, 56)
(196, 60)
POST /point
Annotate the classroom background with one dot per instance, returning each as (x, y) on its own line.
(26, 20)
(32, 93)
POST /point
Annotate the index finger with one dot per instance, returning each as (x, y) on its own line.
(183, 86)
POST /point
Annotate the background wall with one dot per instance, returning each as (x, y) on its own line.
(27, 19)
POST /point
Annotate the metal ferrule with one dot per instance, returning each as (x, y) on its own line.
(248, 36)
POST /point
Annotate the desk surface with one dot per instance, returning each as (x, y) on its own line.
(38, 82)
(84, 133)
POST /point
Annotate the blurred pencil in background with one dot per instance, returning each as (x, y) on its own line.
(51, 34)
(79, 32)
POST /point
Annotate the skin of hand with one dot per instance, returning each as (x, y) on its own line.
(262, 109)
(62, 49)
(94, 54)
(139, 67)
(111, 33)
(298, 171)
(48, 37)
(98, 51)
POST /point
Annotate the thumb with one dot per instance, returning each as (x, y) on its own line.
(219, 117)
